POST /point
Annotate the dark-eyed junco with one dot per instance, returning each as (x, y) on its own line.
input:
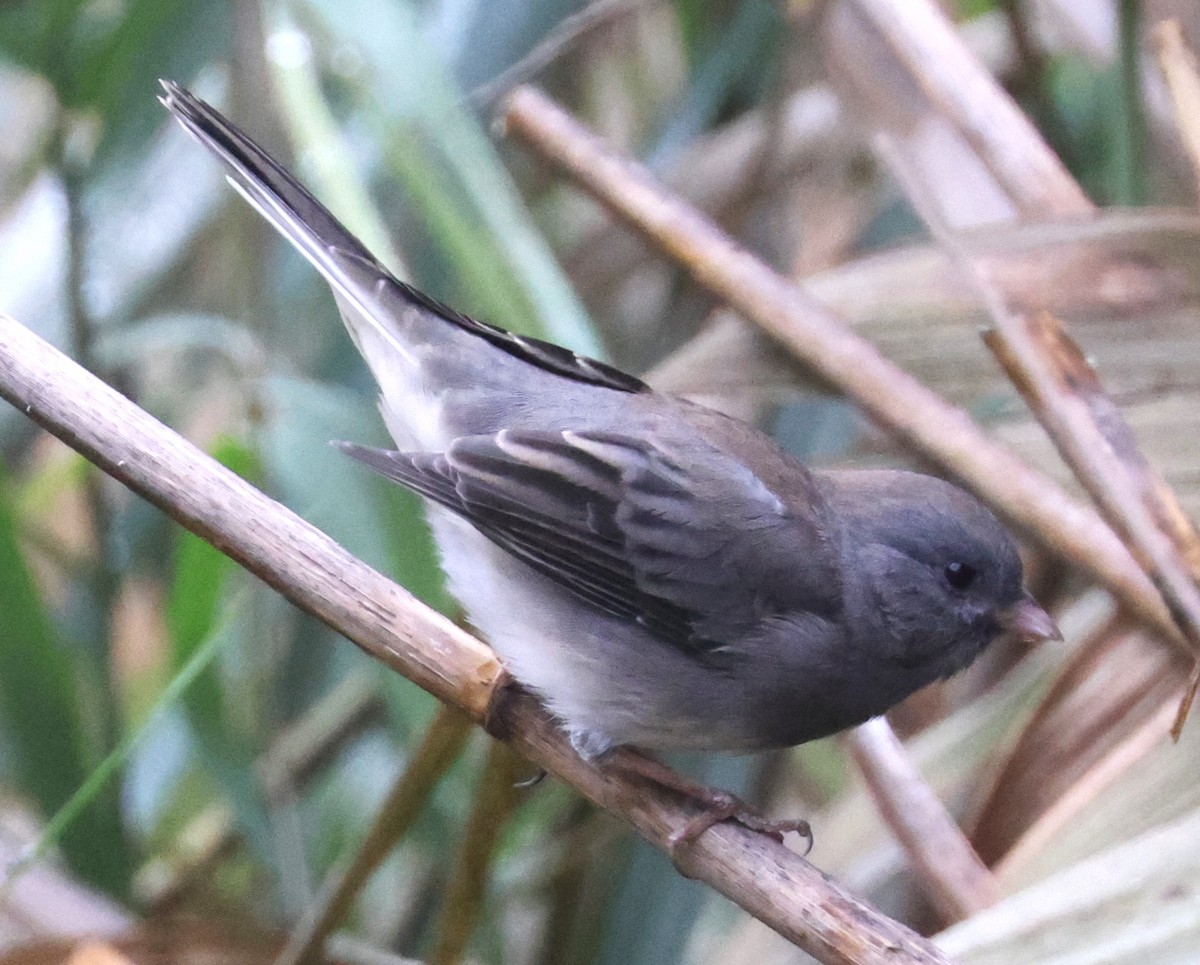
(662, 575)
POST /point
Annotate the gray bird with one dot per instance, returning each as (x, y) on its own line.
(661, 575)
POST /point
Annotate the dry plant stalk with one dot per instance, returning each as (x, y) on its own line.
(1178, 65)
(910, 410)
(766, 879)
(957, 882)
(919, 36)
(443, 741)
(1063, 391)
(496, 799)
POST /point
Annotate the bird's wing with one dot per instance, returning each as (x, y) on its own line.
(697, 551)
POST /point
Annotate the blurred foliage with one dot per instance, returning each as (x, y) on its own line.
(165, 284)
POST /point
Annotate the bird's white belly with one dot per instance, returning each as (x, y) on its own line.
(607, 680)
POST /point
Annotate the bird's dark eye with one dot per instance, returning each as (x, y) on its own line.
(960, 575)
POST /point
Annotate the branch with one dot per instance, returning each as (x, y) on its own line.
(957, 882)
(1178, 66)
(920, 37)
(407, 797)
(312, 571)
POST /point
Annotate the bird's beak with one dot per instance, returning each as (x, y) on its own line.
(1028, 622)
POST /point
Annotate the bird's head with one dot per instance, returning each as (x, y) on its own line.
(935, 575)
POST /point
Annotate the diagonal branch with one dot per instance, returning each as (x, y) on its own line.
(957, 882)
(306, 566)
(818, 337)
(1065, 394)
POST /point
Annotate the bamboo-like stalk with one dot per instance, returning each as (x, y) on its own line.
(956, 881)
(1178, 65)
(410, 792)
(919, 35)
(496, 797)
(766, 879)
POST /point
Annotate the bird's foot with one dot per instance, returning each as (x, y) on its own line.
(532, 781)
(720, 806)
(716, 806)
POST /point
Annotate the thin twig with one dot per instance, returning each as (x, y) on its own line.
(443, 742)
(1178, 65)
(913, 412)
(565, 35)
(763, 877)
(922, 39)
(496, 797)
(952, 875)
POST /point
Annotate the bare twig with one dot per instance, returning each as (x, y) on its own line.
(566, 33)
(496, 797)
(765, 878)
(922, 39)
(914, 413)
(409, 794)
(1062, 389)
(1178, 65)
(954, 878)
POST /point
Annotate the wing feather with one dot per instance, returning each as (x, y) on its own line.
(620, 523)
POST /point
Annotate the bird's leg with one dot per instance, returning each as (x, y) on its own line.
(717, 805)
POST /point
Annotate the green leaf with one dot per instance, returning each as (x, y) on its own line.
(205, 619)
(199, 578)
(104, 58)
(737, 55)
(41, 714)
(419, 109)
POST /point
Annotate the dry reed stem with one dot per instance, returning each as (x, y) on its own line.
(921, 38)
(443, 741)
(953, 877)
(312, 571)
(496, 798)
(1178, 65)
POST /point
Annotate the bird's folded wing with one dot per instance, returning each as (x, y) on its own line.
(696, 553)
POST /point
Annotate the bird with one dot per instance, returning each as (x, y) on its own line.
(662, 576)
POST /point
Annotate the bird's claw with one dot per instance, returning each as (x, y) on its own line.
(533, 781)
(719, 807)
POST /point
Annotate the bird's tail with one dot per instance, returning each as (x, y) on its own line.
(343, 261)
(416, 347)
